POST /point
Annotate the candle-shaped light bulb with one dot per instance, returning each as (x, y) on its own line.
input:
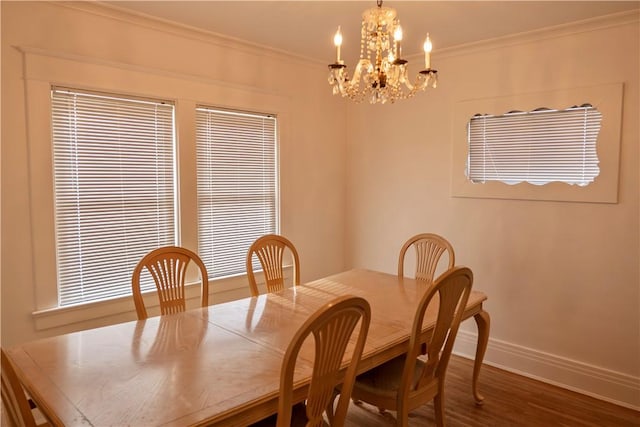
(397, 34)
(397, 37)
(337, 41)
(427, 52)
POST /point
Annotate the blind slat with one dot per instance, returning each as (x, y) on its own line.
(237, 185)
(537, 147)
(115, 198)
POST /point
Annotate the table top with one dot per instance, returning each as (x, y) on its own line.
(218, 365)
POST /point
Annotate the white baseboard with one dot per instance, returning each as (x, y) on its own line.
(604, 384)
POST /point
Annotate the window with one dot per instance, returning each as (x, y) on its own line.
(237, 185)
(512, 156)
(115, 198)
(538, 147)
(172, 100)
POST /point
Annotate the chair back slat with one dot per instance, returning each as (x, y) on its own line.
(168, 268)
(332, 328)
(429, 249)
(269, 250)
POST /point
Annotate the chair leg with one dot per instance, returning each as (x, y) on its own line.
(402, 418)
(438, 406)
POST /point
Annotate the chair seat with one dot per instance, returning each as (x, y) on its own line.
(384, 380)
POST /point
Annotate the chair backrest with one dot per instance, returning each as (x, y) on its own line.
(16, 405)
(429, 249)
(168, 267)
(270, 252)
(452, 288)
(332, 327)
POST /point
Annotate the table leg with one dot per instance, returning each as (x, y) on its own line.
(483, 322)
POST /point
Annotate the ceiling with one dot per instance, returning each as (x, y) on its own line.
(306, 28)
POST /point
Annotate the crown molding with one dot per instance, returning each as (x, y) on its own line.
(118, 13)
(553, 32)
(112, 11)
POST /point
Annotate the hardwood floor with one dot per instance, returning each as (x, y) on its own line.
(510, 400)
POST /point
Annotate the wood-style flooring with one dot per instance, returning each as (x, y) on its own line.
(510, 400)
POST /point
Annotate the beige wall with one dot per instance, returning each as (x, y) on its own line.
(357, 180)
(312, 154)
(562, 278)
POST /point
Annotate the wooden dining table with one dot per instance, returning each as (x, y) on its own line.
(217, 365)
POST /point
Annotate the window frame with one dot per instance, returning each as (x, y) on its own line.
(46, 69)
(140, 132)
(235, 117)
(606, 98)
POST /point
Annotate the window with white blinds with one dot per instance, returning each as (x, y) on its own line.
(237, 185)
(538, 147)
(115, 190)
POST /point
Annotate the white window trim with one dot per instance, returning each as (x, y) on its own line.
(606, 98)
(44, 69)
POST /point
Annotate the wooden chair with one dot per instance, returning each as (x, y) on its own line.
(409, 381)
(270, 250)
(429, 249)
(168, 267)
(17, 410)
(332, 327)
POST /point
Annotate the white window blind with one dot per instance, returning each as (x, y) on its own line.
(115, 198)
(237, 186)
(538, 147)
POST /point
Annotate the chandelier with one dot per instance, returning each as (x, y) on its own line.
(381, 74)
